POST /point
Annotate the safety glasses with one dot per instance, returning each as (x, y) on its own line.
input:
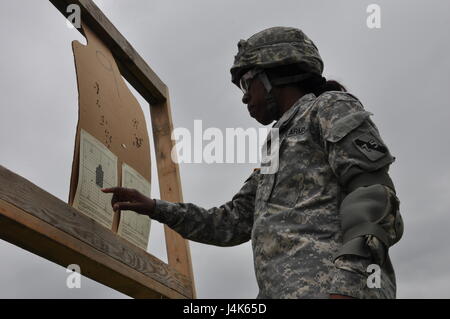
(247, 79)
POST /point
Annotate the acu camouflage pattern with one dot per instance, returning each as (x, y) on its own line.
(292, 216)
(275, 47)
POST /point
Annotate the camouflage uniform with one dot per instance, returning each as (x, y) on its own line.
(299, 218)
(292, 216)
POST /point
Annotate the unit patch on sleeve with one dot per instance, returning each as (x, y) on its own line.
(370, 146)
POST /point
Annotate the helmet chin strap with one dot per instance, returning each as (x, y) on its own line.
(272, 106)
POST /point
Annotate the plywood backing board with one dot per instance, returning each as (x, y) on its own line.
(108, 111)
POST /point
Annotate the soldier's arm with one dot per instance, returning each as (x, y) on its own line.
(369, 211)
(228, 225)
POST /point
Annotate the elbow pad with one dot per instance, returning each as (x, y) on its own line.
(371, 222)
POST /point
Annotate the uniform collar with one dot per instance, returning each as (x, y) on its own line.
(289, 114)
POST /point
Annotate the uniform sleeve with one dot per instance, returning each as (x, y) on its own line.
(351, 139)
(228, 225)
(354, 146)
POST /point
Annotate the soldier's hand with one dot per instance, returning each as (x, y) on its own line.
(130, 199)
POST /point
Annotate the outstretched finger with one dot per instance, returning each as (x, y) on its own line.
(117, 190)
(110, 190)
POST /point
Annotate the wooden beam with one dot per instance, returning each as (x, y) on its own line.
(131, 65)
(42, 224)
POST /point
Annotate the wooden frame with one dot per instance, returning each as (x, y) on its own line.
(40, 223)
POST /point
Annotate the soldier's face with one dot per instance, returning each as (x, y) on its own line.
(255, 98)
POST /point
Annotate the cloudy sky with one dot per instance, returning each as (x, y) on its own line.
(400, 73)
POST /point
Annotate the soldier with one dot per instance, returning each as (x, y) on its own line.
(329, 211)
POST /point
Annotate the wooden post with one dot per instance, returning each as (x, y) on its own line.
(178, 251)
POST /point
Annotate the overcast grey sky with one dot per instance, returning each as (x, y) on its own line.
(399, 72)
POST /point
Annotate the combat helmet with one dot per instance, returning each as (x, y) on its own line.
(276, 47)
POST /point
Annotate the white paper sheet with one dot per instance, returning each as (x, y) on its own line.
(132, 226)
(97, 169)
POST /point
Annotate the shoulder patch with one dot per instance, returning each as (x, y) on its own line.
(370, 146)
